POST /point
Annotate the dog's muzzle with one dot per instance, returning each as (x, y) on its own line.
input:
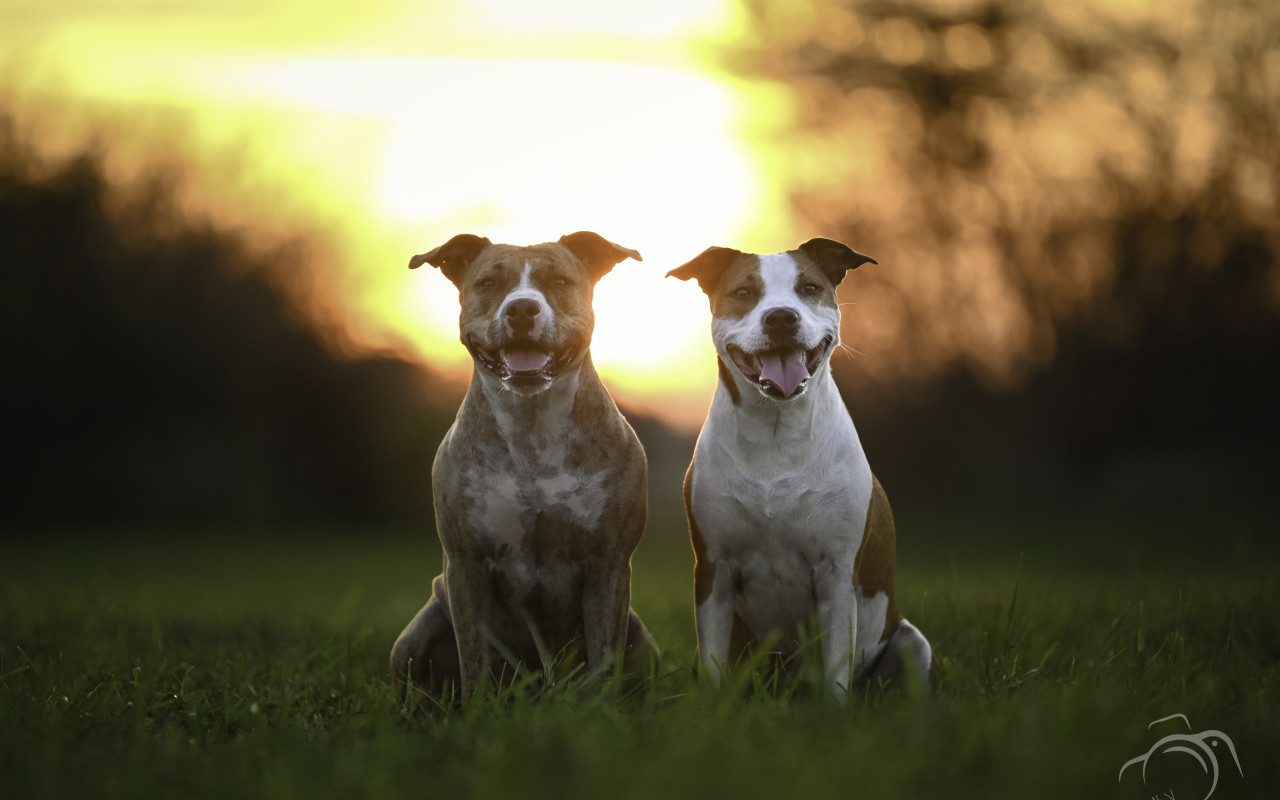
(524, 363)
(781, 373)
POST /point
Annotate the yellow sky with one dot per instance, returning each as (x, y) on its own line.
(410, 122)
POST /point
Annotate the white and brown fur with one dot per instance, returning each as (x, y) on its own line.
(789, 525)
(540, 484)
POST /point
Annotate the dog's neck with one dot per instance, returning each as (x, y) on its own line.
(767, 440)
(531, 427)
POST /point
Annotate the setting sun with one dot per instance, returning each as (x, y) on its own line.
(523, 151)
(516, 122)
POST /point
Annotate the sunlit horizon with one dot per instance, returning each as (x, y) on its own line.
(414, 123)
(990, 173)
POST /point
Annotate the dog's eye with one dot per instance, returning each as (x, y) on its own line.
(810, 289)
(486, 283)
(560, 282)
(742, 291)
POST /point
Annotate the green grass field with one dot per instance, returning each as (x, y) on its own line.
(239, 664)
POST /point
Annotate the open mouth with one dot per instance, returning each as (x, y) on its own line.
(781, 373)
(524, 363)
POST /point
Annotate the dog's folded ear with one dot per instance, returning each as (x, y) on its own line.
(596, 252)
(707, 267)
(834, 258)
(453, 256)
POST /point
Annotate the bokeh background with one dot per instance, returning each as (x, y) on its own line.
(206, 209)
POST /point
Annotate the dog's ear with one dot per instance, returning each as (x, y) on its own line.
(834, 258)
(707, 267)
(596, 252)
(453, 256)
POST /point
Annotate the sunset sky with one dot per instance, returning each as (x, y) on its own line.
(404, 123)
(392, 126)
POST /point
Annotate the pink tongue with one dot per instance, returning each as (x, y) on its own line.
(784, 370)
(525, 360)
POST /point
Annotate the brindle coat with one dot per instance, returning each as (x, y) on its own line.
(540, 490)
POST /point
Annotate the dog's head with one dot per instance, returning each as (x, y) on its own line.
(526, 311)
(775, 320)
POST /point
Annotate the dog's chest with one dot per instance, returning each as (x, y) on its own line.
(795, 519)
(777, 547)
(775, 528)
(510, 508)
(531, 520)
(809, 501)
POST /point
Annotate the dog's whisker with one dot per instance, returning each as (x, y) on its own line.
(851, 350)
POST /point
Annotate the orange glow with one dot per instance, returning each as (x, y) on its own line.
(394, 126)
(407, 124)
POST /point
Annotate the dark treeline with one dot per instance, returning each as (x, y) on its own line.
(1076, 219)
(1109, 331)
(157, 368)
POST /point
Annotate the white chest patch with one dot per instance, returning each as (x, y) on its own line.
(499, 517)
(505, 505)
(580, 494)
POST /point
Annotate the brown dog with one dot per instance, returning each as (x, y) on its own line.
(540, 486)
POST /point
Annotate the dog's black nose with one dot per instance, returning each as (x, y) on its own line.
(781, 320)
(522, 309)
(521, 315)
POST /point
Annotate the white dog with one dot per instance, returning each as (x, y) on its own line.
(787, 521)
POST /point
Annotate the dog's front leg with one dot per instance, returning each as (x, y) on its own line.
(471, 602)
(713, 588)
(838, 623)
(606, 598)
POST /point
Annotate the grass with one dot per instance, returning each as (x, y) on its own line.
(229, 664)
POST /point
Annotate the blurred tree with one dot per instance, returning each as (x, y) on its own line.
(160, 369)
(157, 368)
(1075, 207)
